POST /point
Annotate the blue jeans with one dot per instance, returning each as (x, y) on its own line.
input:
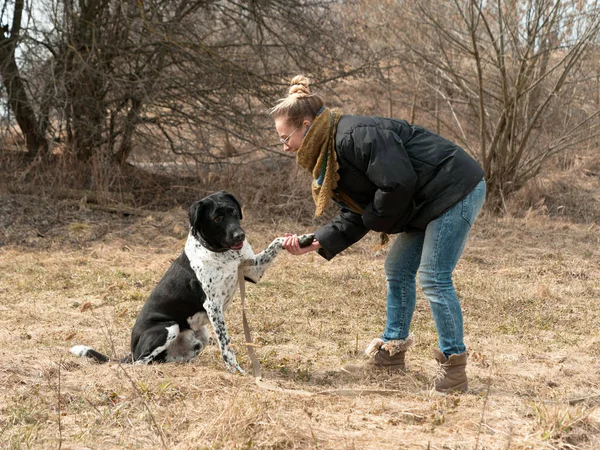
(434, 254)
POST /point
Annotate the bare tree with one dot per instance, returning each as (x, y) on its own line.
(515, 67)
(506, 79)
(186, 78)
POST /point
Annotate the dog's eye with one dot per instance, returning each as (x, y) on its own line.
(218, 219)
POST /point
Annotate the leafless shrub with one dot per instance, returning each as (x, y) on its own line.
(109, 81)
(511, 81)
(178, 84)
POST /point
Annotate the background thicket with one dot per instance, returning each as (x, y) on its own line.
(96, 95)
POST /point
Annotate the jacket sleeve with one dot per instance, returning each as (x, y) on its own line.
(339, 234)
(389, 168)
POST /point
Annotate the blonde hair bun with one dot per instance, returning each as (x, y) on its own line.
(300, 104)
(299, 86)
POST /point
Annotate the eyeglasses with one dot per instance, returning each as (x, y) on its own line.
(287, 139)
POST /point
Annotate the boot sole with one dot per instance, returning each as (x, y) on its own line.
(458, 389)
(355, 369)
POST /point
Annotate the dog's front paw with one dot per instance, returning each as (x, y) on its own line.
(231, 363)
(305, 240)
(235, 367)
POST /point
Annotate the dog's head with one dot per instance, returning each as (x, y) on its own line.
(216, 221)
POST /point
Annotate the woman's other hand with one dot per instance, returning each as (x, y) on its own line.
(292, 245)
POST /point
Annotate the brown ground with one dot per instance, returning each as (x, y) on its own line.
(70, 275)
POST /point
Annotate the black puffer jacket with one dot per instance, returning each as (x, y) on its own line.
(403, 177)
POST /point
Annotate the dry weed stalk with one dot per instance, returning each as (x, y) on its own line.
(485, 403)
(135, 385)
(58, 404)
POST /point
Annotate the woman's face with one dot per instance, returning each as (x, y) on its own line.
(289, 135)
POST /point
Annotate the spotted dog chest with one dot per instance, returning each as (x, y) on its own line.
(216, 272)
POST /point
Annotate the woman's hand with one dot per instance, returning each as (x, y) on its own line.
(292, 245)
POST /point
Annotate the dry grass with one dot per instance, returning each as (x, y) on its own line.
(567, 189)
(530, 292)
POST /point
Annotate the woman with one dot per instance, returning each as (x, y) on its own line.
(390, 176)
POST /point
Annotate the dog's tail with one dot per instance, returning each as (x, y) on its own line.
(84, 350)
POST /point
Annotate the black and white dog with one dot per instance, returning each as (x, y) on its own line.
(198, 287)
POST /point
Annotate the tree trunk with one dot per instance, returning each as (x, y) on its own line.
(127, 144)
(15, 86)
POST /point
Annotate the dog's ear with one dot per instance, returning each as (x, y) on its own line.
(196, 211)
(234, 200)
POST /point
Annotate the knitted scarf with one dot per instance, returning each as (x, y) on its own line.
(317, 155)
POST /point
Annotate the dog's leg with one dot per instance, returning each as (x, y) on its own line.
(255, 266)
(188, 345)
(203, 336)
(215, 316)
(154, 342)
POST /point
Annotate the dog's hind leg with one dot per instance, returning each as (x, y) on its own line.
(154, 342)
(188, 344)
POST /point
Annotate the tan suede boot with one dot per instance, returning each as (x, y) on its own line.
(453, 375)
(389, 356)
